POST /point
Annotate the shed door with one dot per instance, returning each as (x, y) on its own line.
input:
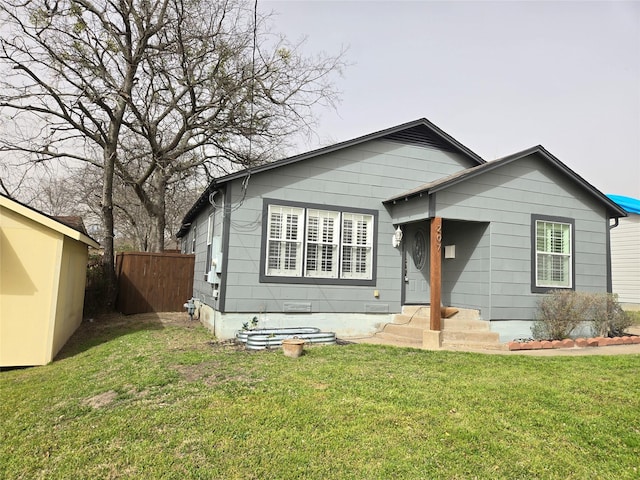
(416, 263)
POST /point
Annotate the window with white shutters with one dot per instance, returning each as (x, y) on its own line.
(322, 239)
(552, 259)
(314, 243)
(284, 243)
(357, 245)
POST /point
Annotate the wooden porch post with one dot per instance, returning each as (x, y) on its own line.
(435, 283)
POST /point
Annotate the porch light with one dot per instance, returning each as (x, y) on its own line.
(397, 238)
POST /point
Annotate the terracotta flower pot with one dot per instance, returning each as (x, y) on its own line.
(292, 347)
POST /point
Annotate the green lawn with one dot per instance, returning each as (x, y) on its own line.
(140, 398)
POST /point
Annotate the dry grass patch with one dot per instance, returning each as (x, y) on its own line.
(101, 400)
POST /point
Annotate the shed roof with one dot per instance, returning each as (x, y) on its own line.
(56, 224)
(463, 175)
(418, 132)
(72, 221)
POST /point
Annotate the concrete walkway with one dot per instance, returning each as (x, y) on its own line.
(555, 352)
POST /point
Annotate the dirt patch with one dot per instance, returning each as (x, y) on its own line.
(209, 374)
(193, 373)
(164, 318)
(101, 400)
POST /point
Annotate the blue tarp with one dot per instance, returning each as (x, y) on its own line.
(630, 205)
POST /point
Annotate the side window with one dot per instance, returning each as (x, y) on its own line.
(210, 228)
(552, 253)
(194, 233)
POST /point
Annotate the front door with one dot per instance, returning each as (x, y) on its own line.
(416, 263)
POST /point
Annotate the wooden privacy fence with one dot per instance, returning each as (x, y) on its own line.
(153, 282)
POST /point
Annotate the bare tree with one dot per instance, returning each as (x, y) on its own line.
(222, 91)
(69, 67)
(133, 228)
(152, 91)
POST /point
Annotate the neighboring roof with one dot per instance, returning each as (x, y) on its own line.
(54, 223)
(463, 175)
(630, 204)
(72, 221)
(418, 132)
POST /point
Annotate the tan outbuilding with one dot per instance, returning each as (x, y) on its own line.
(43, 264)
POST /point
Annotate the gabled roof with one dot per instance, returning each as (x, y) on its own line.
(472, 172)
(53, 223)
(418, 132)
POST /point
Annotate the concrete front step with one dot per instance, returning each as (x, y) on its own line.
(458, 324)
(449, 336)
(419, 316)
(409, 331)
(412, 309)
(424, 311)
(404, 319)
(447, 323)
(463, 330)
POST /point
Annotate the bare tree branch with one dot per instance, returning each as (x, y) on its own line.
(164, 89)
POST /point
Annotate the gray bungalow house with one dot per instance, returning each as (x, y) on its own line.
(345, 237)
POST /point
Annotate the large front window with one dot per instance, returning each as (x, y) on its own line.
(306, 242)
(553, 253)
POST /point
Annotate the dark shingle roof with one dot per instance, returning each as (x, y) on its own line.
(418, 132)
(74, 222)
(468, 173)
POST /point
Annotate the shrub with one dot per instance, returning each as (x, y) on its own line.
(607, 317)
(559, 313)
(96, 295)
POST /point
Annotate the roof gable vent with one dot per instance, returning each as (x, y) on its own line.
(421, 136)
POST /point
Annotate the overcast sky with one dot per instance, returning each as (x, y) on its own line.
(499, 77)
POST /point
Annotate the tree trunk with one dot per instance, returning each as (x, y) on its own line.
(108, 258)
(160, 212)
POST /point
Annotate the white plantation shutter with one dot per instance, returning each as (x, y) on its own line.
(357, 246)
(553, 254)
(322, 237)
(284, 242)
(311, 243)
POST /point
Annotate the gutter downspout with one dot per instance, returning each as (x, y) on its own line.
(608, 247)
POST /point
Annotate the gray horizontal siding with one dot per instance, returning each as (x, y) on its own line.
(507, 197)
(415, 210)
(466, 278)
(492, 269)
(203, 290)
(356, 177)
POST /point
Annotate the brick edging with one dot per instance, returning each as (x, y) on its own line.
(578, 342)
